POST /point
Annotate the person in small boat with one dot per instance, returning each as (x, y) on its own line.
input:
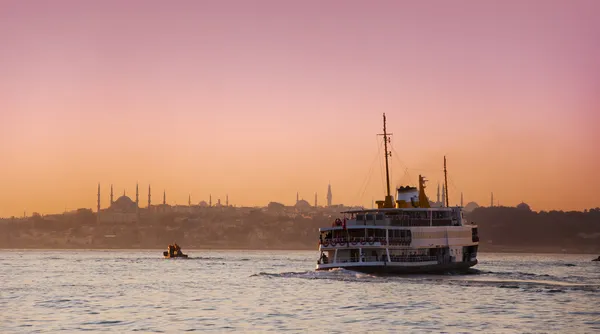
(177, 249)
(171, 249)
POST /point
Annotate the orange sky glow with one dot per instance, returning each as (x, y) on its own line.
(263, 99)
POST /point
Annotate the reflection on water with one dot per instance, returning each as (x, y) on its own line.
(274, 291)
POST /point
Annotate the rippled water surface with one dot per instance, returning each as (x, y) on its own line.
(259, 291)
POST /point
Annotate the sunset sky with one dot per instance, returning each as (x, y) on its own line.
(263, 99)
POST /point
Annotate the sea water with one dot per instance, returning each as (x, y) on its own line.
(276, 291)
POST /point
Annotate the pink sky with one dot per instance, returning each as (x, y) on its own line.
(261, 99)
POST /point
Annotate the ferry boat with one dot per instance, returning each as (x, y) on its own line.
(404, 236)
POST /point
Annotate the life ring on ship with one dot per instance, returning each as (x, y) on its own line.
(371, 240)
(354, 242)
(363, 242)
(325, 244)
(333, 243)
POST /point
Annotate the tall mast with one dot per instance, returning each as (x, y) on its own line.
(446, 181)
(389, 201)
(387, 171)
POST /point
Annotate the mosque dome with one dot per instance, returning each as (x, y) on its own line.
(302, 204)
(471, 206)
(123, 203)
(203, 204)
(523, 206)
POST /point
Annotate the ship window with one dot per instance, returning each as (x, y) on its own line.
(360, 217)
(369, 216)
(355, 233)
(379, 217)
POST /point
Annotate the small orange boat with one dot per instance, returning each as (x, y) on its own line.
(174, 251)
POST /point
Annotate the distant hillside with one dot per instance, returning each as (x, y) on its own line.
(501, 229)
(520, 229)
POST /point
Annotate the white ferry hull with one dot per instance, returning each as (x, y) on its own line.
(402, 269)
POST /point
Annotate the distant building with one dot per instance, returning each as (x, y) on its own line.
(471, 206)
(329, 195)
(302, 205)
(523, 206)
(439, 203)
(123, 210)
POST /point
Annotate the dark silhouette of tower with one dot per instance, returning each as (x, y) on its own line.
(111, 195)
(227, 200)
(189, 199)
(329, 195)
(149, 197)
(164, 197)
(98, 208)
(316, 200)
(443, 195)
(210, 200)
(137, 202)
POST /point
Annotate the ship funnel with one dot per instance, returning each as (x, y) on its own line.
(407, 197)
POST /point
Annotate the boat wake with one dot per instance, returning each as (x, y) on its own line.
(338, 274)
(526, 282)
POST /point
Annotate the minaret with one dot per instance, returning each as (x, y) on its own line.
(137, 202)
(297, 197)
(164, 197)
(461, 199)
(329, 195)
(492, 201)
(443, 195)
(438, 193)
(227, 200)
(209, 200)
(189, 199)
(111, 195)
(98, 209)
(316, 200)
(149, 197)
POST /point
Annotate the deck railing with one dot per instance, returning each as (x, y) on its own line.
(352, 241)
(406, 241)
